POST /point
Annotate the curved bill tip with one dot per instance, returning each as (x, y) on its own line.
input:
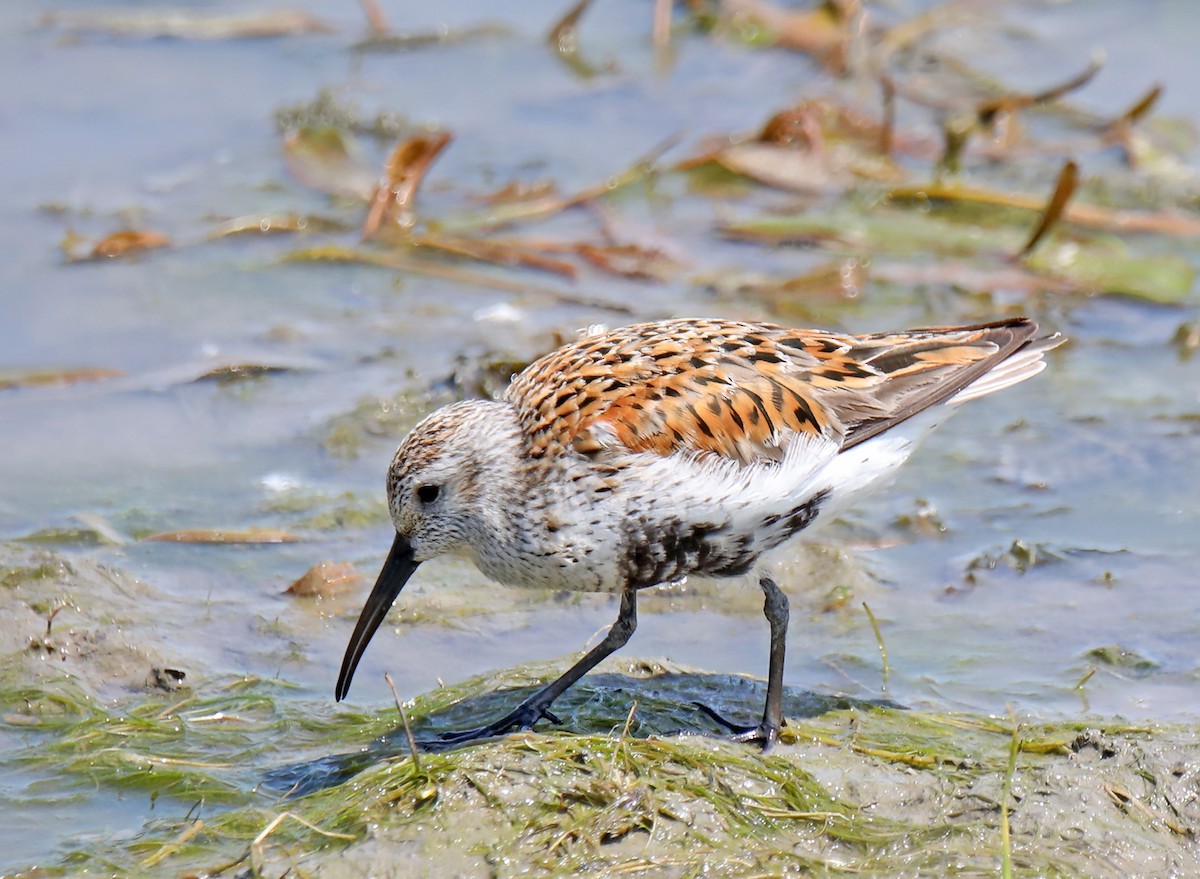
(396, 571)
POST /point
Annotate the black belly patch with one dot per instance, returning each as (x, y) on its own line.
(668, 550)
(798, 518)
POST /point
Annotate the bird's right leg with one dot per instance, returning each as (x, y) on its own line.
(537, 706)
(766, 733)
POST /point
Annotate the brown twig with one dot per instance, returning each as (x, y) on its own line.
(564, 39)
(406, 168)
(377, 24)
(989, 109)
(1142, 107)
(887, 126)
(661, 32)
(174, 845)
(412, 741)
(1068, 179)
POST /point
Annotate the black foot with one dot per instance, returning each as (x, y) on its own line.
(765, 733)
(524, 716)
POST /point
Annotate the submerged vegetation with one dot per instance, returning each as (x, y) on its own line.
(250, 776)
(871, 184)
(854, 786)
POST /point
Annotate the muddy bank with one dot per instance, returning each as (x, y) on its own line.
(242, 776)
(74, 622)
(869, 790)
(839, 799)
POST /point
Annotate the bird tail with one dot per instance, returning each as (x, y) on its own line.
(1025, 362)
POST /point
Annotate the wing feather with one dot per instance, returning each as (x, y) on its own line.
(744, 391)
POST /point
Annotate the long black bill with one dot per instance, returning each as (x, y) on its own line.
(396, 571)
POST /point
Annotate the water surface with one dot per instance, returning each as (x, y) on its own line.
(1092, 464)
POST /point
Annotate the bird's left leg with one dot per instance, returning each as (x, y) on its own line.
(775, 608)
(537, 706)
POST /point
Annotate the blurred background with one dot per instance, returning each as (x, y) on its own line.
(247, 245)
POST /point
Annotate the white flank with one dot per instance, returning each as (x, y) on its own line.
(713, 488)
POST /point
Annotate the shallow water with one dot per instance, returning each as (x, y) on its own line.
(1092, 463)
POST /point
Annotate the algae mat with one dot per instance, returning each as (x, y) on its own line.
(244, 776)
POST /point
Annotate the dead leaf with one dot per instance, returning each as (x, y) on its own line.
(325, 579)
(1010, 103)
(781, 167)
(821, 290)
(564, 36)
(1142, 150)
(398, 261)
(504, 253)
(660, 32)
(823, 32)
(974, 93)
(939, 17)
(387, 41)
(186, 24)
(1105, 265)
(969, 275)
(812, 123)
(49, 377)
(1068, 178)
(839, 279)
(1139, 109)
(811, 146)
(517, 191)
(506, 214)
(987, 110)
(272, 224)
(1099, 264)
(1089, 216)
(102, 528)
(564, 40)
(227, 373)
(626, 260)
(328, 159)
(797, 126)
(1187, 339)
(224, 535)
(888, 126)
(128, 241)
(377, 22)
(629, 260)
(392, 198)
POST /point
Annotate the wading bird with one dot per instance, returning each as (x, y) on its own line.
(639, 456)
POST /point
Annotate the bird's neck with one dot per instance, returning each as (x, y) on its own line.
(515, 488)
(500, 456)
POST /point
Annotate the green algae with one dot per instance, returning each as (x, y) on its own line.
(1127, 661)
(16, 575)
(344, 436)
(988, 234)
(323, 512)
(635, 783)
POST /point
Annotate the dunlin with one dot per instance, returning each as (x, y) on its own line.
(639, 456)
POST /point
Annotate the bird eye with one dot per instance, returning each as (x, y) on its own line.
(427, 494)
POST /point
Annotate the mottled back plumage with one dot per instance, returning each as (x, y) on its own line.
(738, 389)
